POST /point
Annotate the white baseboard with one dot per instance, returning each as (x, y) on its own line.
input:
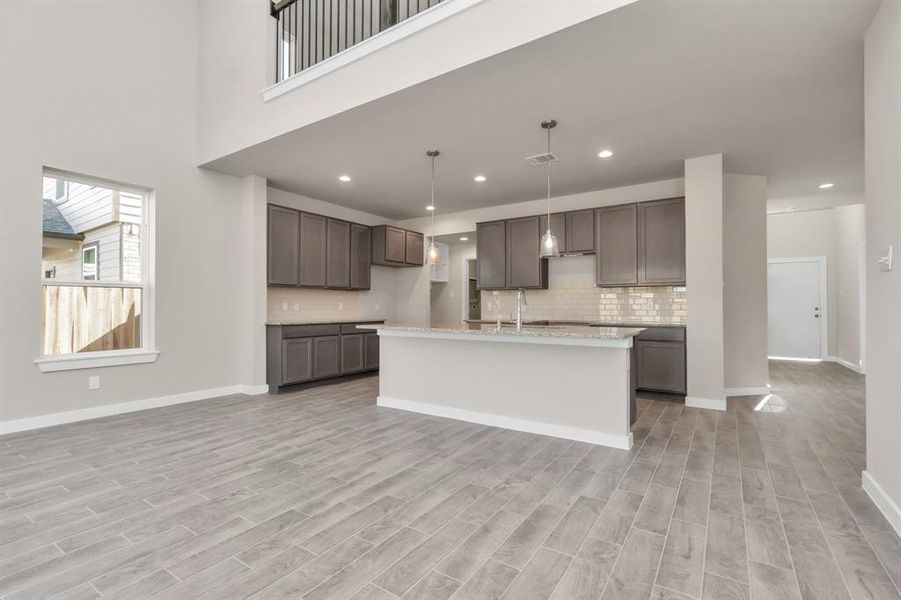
(560, 431)
(883, 502)
(748, 391)
(845, 363)
(95, 412)
(710, 403)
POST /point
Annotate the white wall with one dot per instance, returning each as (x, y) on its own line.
(447, 298)
(882, 88)
(744, 284)
(704, 281)
(145, 134)
(237, 61)
(836, 233)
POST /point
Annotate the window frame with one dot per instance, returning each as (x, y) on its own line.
(147, 353)
(95, 246)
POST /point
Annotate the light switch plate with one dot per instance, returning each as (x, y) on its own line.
(885, 258)
(94, 382)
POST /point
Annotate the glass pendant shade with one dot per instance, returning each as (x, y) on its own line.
(549, 246)
(434, 254)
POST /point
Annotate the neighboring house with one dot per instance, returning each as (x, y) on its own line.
(90, 233)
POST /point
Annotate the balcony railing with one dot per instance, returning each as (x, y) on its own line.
(310, 31)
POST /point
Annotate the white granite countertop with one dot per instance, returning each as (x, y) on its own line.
(597, 336)
(277, 322)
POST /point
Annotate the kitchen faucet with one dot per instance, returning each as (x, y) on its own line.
(520, 303)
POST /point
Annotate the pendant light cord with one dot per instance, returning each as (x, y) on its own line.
(434, 208)
(548, 165)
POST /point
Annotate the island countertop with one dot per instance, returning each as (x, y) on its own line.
(614, 337)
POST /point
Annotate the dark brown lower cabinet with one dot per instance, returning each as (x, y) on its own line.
(660, 360)
(304, 353)
(352, 352)
(326, 357)
(372, 351)
(297, 360)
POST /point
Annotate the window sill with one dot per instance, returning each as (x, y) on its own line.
(93, 360)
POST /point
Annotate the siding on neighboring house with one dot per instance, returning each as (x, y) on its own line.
(86, 207)
(109, 238)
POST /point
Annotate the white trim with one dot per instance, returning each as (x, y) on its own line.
(882, 500)
(107, 410)
(862, 306)
(824, 296)
(748, 391)
(708, 403)
(560, 431)
(505, 336)
(95, 360)
(845, 363)
(404, 29)
(793, 359)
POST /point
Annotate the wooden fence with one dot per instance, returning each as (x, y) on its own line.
(87, 319)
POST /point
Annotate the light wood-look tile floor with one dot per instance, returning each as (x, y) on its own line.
(321, 495)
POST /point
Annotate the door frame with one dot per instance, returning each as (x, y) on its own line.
(824, 307)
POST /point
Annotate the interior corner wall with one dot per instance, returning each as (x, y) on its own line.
(850, 235)
(128, 113)
(745, 282)
(704, 189)
(882, 99)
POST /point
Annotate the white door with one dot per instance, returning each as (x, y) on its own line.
(794, 303)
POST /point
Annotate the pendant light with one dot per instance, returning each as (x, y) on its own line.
(549, 246)
(434, 252)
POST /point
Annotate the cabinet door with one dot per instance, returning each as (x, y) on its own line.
(395, 245)
(558, 228)
(372, 351)
(360, 254)
(580, 231)
(617, 245)
(352, 350)
(413, 244)
(297, 360)
(337, 271)
(283, 241)
(661, 242)
(491, 255)
(661, 366)
(313, 238)
(523, 245)
(326, 357)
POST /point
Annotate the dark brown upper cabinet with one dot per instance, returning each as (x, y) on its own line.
(337, 258)
(396, 247)
(414, 247)
(282, 243)
(525, 268)
(558, 227)
(661, 242)
(313, 249)
(580, 238)
(491, 255)
(616, 245)
(360, 254)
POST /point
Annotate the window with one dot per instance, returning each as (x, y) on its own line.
(96, 290)
(89, 261)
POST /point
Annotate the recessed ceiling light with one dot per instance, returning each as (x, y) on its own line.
(464, 239)
(826, 186)
(344, 178)
(430, 207)
(479, 178)
(605, 153)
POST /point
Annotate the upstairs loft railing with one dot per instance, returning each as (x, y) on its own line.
(310, 31)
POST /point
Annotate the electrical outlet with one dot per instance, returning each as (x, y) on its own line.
(340, 306)
(94, 382)
(376, 305)
(885, 258)
(297, 306)
(284, 306)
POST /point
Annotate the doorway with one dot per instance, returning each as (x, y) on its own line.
(472, 295)
(796, 301)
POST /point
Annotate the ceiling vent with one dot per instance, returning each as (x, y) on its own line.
(542, 159)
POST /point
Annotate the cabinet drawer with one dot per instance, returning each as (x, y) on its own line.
(351, 328)
(297, 331)
(663, 334)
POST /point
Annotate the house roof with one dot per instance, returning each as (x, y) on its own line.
(56, 225)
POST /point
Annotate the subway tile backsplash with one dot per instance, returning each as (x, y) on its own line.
(305, 303)
(586, 302)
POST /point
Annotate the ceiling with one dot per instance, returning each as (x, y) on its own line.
(777, 86)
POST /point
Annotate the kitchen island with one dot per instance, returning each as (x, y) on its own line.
(572, 382)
